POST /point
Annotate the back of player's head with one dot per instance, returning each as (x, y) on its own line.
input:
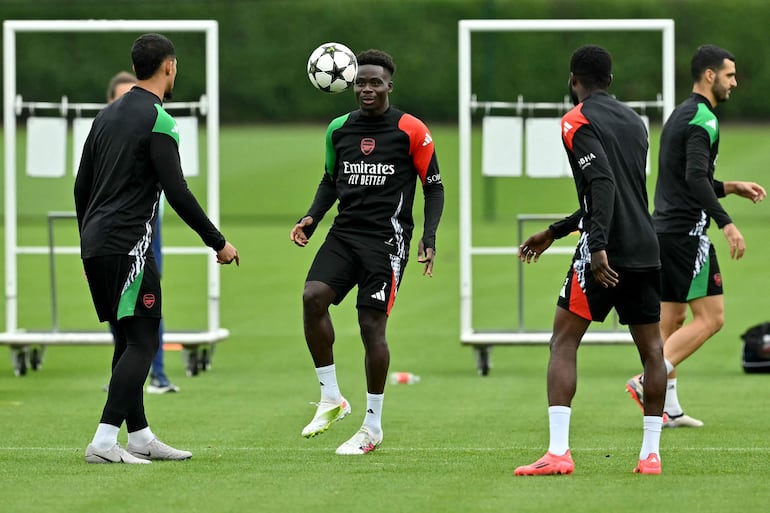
(124, 77)
(708, 57)
(148, 53)
(592, 65)
(377, 58)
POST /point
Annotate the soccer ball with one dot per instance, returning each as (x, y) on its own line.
(332, 67)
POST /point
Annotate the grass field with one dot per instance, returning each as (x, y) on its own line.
(451, 441)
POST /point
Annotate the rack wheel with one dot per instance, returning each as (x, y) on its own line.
(36, 358)
(192, 361)
(19, 357)
(483, 362)
(204, 360)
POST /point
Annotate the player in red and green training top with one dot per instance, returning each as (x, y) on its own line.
(374, 157)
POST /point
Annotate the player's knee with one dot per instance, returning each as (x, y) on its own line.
(563, 346)
(716, 321)
(314, 299)
(677, 319)
(372, 328)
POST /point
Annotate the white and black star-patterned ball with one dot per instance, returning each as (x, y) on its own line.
(332, 67)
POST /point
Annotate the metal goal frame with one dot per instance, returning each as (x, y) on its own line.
(467, 104)
(16, 335)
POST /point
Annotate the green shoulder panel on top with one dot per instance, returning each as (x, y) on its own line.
(165, 124)
(331, 155)
(707, 120)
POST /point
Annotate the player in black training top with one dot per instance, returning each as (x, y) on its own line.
(686, 200)
(130, 156)
(616, 261)
(374, 157)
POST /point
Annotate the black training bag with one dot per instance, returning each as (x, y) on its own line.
(756, 349)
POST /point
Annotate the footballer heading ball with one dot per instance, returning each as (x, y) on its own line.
(332, 67)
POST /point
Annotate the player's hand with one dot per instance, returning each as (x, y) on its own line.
(426, 256)
(735, 240)
(603, 273)
(534, 246)
(297, 235)
(228, 255)
(749, 190)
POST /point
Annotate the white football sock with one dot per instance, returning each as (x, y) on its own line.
(672, 406)
(141, 438)
(106, 436)
(373, 418)
(669, 366)
(558, 422)
(651, 441)
(327, 379)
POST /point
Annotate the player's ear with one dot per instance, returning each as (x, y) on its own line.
(610, 80)
(168, 66)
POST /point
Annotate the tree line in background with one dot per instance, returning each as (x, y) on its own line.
(264, 47)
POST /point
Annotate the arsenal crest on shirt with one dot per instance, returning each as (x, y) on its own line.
(148, 300)
(367, 145)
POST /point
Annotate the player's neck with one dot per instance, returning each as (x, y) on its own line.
(154, 86)
(705, 91)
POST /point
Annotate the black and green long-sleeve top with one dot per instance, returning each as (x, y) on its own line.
(686, 193)
(130, 156)
(372, 166)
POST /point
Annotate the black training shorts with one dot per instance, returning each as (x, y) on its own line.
(636, 297)
(690, 268)
(123, 286)
(375, 266)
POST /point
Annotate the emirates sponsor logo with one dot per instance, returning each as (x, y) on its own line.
(148, 300)
(365, 168)
(367, 145)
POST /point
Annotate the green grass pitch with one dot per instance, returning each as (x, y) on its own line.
(451, 441)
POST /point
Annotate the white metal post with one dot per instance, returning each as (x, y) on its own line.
(9, 122)
(466, 239)
(212, 132)
(669, 69)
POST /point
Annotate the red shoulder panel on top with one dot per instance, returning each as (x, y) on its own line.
(420, 143)
(570, 124)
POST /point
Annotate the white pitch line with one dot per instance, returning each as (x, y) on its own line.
(416, 449)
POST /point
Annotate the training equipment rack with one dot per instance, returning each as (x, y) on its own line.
(468, 103)
(16, 336)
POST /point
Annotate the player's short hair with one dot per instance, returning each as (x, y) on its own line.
(592, 65)
(377, 58)
(148, 53)
(708, 57)
(124, 77)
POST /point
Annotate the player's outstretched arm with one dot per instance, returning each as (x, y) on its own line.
(748, 190)
(298, 235)
(426, 256)
(228, 255)
(534, 246)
